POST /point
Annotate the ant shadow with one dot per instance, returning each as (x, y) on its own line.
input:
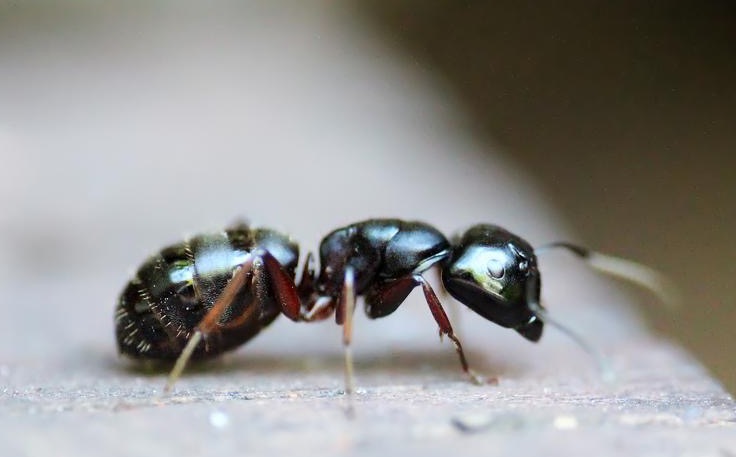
(404, 363)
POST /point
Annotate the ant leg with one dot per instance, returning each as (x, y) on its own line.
(314, 307)
(321, 308)
(282, 285)
(256, 269)
(384, 298)
(269, 278)
(346, 308)
(307, 278)
(440, 317)
(209, 322)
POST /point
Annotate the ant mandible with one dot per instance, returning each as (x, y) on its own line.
(214, 292)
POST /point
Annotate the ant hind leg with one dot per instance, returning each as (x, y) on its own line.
(258, 271)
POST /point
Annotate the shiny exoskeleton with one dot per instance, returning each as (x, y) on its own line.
(494, 273)
(214, 292)
(173, 291)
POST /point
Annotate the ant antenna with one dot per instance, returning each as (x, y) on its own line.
(631, 271)
(604, 367)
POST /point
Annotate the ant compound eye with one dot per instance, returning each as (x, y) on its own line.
(523, 265)
(496, 268)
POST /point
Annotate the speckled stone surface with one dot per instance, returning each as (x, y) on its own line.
(662, 403)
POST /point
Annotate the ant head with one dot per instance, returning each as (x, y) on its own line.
(494, 273)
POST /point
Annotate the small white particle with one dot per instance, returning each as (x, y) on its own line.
(565, 422)
(218, 419)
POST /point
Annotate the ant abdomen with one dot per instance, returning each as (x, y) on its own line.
(173, 291)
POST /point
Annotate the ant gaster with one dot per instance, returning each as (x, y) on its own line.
(211, 293)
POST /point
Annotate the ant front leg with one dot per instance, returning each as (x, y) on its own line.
(435, 307)
(385, 297)
(263, 273)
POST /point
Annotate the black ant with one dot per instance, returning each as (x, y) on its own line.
(211, 293)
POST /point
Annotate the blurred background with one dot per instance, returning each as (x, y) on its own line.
(624, 113)
(123, 125)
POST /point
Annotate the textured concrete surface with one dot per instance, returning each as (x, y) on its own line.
(415, 403)
(121, 129)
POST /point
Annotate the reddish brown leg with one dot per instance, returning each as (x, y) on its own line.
(283, 287)
(321, 308)
(242, 276)
(254, 271)
(384, 298)
(435, 307)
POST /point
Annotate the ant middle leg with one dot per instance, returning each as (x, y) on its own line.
(344, 315)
